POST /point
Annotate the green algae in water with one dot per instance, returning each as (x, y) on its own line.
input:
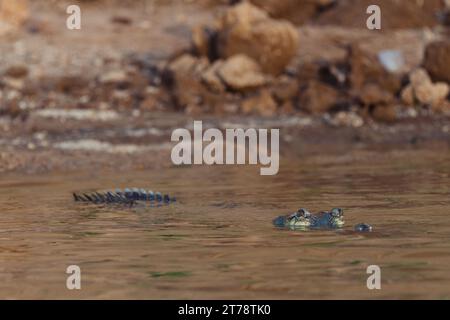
(170, 274)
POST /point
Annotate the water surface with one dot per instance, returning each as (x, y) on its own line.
(217, 241)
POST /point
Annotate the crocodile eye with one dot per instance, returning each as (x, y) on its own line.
(304, 213)
(337, 212)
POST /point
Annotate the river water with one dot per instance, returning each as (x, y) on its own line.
(218, 241)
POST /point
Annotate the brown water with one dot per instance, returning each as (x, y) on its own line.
(218, 240)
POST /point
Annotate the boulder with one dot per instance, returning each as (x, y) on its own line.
(183, 78)
(373, 94)
(211, 78)
(407, 96)
(14, 12)
(318, 97)
(204, 41)
(186, 65)
(16, 71)
(367, 69)
(437, 60)
(384, 113)
(261, 104)
(423, 91)
(113, 77)
(285, 89)
(247, 29)
(241, 73)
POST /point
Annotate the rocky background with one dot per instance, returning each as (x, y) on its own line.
(138, 68)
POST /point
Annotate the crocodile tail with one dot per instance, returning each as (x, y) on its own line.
(128, 196)
(169, 199)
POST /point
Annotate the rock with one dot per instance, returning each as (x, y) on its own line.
(373, 94)
(366, 69)
(187, 65)
(16, 71)
(262, 104)
(14, 12)
(188, 92)
(347, 119)
(94, 145)
(384, 113)
(334, 73)
(407, 95)
(419, 77)
(150, 104)
(285, 89)
(437, 60)
(318, 97)
(188, 83)
(445, 14)
(183, 64)
(14, 83)
(113, 77)
(155, 99)
(200, 40)
(78, 114)
(71, 83)
(217, 103)
(12, 109)
(124, 20)
(246, 29)
(444, 108)
(241, 73)
(5, 29)
(204, 40)
(212, 79)
(392, 60)
(308, 71)
(424, 91)
(287, 107)
(193, 110)
(432, 94)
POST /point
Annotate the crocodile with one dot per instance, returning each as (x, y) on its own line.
(129, 196)
(303, 219)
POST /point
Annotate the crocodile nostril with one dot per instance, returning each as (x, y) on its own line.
(363, 227)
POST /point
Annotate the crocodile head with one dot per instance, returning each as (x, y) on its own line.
(336, 217)
(301, 218)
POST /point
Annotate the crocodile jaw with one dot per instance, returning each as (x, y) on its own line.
(299, 223)
(338, 222)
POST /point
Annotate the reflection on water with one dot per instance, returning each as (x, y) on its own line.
(217, 241)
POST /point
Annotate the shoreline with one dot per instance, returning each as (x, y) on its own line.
(142, 144)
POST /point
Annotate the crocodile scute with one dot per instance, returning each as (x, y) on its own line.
(127, 196)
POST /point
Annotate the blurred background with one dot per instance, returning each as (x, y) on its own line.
(137, 69)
